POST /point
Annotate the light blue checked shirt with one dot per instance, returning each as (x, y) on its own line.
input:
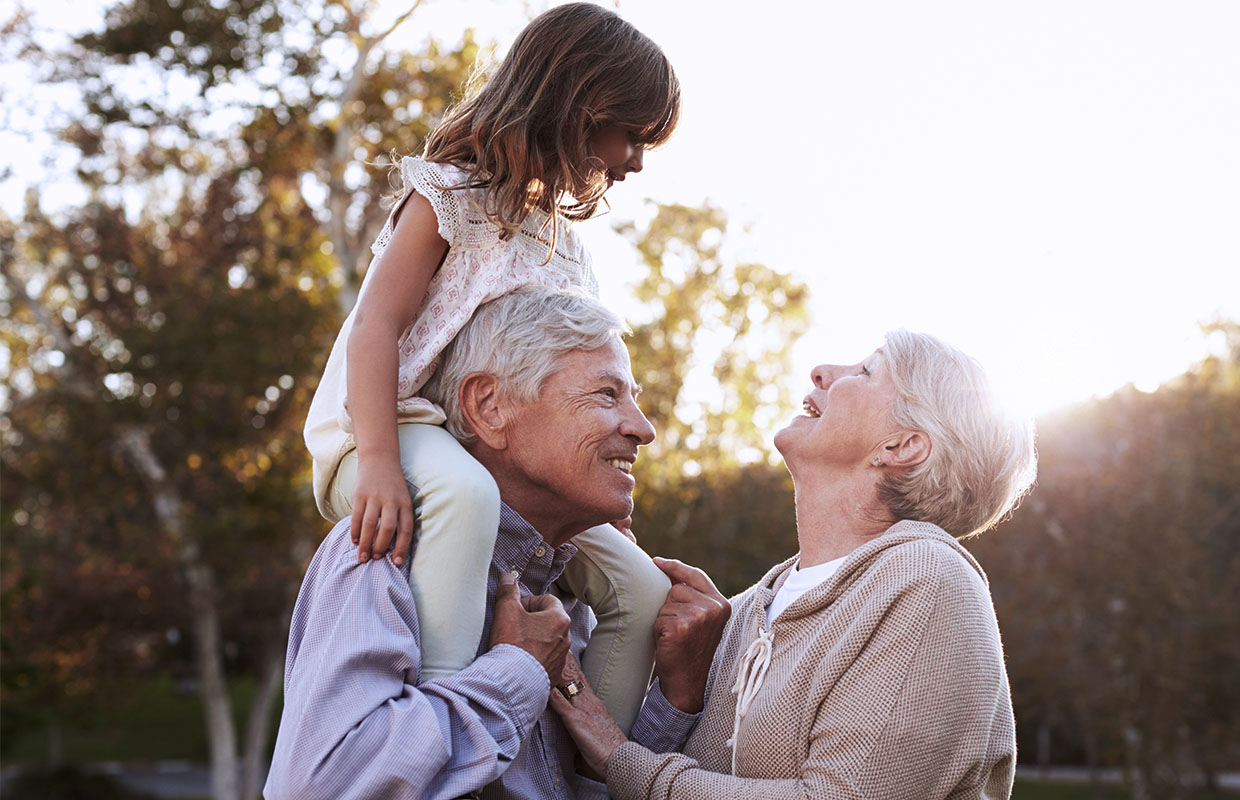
(356, 723)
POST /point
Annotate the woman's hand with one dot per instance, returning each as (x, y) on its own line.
(382, 507)
(588, 720)
(687, 632)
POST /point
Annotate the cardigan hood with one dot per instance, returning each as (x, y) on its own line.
(853, 568)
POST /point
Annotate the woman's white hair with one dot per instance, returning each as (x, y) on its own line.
(982, 460)
(519, 338)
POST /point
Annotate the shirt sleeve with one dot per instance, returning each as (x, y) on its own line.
(660, 726)
(357, 724)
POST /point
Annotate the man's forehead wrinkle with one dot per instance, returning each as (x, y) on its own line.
(618, 378)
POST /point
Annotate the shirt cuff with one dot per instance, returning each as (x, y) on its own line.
(588, 789)
(660, 726)
(520, 677)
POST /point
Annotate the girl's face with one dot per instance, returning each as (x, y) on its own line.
(612, 145)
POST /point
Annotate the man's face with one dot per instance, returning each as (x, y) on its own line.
(570, 452)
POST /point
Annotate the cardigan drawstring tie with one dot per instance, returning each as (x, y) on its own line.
(749, 677)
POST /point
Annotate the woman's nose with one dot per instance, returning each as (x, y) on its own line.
(822, 375)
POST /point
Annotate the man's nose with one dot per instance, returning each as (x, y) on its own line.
(635, 425)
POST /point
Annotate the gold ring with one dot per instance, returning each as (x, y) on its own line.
(571, 689)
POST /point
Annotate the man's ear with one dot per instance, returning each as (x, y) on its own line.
(478, 395)
(906, 449)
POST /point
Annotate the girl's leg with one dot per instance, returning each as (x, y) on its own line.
(456, 504)
(626, 590)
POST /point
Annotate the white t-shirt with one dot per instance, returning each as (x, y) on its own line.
(799, 582)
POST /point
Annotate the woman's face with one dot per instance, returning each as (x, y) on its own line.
(846, 419)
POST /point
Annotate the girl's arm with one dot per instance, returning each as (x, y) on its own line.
(393, 296)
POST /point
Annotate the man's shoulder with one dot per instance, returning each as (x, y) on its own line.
(334, 574)
(338, 554)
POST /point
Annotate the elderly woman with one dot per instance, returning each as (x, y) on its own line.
(868, 666)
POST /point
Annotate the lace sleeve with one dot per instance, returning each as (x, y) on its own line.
(426, 178)
(429, 180)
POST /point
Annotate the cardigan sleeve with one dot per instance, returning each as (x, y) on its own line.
(922, 712)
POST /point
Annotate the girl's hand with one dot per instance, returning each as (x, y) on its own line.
(597, 735)
(382, 507)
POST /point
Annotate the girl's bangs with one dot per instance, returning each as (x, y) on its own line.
(657, 108)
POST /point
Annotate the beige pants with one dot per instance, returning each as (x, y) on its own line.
(457, 506)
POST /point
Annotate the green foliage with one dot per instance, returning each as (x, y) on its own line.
(199, 328)
(234, 177)
(708, 490)
(732, 323)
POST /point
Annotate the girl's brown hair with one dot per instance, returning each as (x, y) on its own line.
(523, 137)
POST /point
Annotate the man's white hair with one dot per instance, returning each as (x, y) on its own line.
(519, 339)
(982, 460)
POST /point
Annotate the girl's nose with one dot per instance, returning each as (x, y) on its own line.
(634, 163)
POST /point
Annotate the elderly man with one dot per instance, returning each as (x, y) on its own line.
(356, 721)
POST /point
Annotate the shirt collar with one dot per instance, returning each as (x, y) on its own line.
(521, 548)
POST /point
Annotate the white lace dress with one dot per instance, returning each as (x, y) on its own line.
(478, 267)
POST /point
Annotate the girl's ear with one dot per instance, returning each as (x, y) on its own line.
(479, 398)
(906, 449)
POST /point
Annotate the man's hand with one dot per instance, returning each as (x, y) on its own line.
(537, 624)
(687, 632)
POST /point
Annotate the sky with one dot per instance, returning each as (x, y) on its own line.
(1054, 186)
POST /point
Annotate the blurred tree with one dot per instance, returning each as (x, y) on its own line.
(709, 491)
(1118, 585)
(164, 338)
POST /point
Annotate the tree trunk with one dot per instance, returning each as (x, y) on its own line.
(258, 727)
(270, 682)
(1135, 767)
(200, 580)
(55, 742)
(351, 250)
(1044, 746)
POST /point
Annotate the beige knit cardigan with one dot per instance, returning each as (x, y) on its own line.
(886, 682)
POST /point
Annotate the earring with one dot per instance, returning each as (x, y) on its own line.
(878, 461)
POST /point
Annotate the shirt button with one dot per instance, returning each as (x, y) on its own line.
(540, 551)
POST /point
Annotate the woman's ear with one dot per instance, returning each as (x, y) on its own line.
(478, 396)
(906, 449)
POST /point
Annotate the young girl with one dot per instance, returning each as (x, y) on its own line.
(578, 98)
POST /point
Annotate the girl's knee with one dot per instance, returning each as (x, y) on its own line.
(454, 480)
(644, 589)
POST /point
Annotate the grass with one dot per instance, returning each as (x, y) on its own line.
(154, 722)
(158, 722)
(1053, 790)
